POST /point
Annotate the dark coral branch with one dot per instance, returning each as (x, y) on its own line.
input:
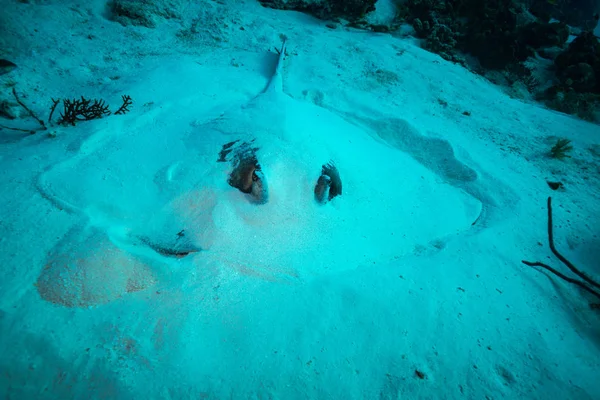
(125, 106)
(82, 110)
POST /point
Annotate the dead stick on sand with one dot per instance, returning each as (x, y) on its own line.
(581, 284)
(31, 113)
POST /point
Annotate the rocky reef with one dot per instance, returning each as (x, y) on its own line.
(326, 9)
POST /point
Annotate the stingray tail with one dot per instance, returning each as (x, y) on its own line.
(276, 83)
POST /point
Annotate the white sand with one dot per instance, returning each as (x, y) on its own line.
(416, 267)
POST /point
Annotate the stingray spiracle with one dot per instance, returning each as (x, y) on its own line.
(246, 175)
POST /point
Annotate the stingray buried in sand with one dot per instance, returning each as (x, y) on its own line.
(257, 211)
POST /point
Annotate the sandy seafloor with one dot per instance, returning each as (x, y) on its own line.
(415, 270)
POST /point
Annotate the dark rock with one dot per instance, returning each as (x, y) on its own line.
(497, 32)
(550, 53)
(6, 66)
(492, 33)
(579, 13)
(491, 30)
(555, 185)
(579, 66)
(442, 40)
(438, 22)
(578, 73)
(585, 105)
(325, 9)
(580, 77)
(6, 110)
(543, 34)
(141, 12)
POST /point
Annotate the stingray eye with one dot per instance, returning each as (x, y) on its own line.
(254, 176)
(329, 184)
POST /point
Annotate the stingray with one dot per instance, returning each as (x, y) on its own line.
(254, 188)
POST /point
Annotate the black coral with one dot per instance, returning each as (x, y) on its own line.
(82, 110)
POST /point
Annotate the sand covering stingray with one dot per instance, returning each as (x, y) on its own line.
(154, 199)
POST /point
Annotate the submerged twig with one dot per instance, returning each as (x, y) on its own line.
(31, 113)
(566, 262)
(560, 256)
(54, 104)
(581, 284)
(17, 129)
